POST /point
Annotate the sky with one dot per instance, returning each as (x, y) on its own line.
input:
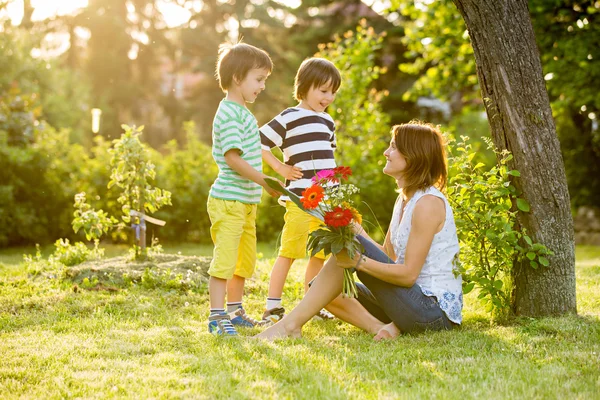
(174, 15)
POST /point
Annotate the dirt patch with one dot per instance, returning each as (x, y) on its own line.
(168, 270)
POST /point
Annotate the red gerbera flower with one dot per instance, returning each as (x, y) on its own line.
(342, 172)
(338, 217)
(312, 196)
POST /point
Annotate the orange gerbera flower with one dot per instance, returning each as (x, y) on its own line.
(342, 173)
(338, 218)
(312, 196)
(355, 214)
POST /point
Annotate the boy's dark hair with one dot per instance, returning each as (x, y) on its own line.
(235, 60)
(315, 72)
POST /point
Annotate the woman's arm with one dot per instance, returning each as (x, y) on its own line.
(387, 244)
(428, 219)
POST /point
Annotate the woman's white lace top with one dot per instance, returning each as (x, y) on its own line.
(438, 277)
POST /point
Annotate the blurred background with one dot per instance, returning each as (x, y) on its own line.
(151, 63)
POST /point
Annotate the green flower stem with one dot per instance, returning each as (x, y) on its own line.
(349, 286)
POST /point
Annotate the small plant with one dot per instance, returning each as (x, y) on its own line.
(167, 279)
(132, 171)
(34, 263)
(94, 223)
(485, 206)
(69, 255)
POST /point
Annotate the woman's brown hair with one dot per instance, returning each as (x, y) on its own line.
(423, 147)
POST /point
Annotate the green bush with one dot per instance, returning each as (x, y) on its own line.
(485, 205)
(187, 172)
(39, 176)
(73, 254)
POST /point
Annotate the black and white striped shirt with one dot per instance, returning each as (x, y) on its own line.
(307, 140)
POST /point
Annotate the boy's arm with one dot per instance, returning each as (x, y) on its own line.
(289, 172)
(241, 166)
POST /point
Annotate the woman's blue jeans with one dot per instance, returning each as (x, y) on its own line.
(409, 309)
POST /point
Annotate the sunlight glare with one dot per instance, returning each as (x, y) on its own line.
(45, 9)
(173, 14)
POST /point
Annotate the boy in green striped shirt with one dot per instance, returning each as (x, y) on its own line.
(242, 70)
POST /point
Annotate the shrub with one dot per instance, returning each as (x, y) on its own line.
(485, 205)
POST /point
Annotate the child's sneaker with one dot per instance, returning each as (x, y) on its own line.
(220, 325)
(273, 315)
(323, 315)
(240, 318)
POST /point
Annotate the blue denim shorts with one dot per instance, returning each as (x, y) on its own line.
(409, 309)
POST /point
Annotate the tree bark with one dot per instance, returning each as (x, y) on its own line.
(518, 109)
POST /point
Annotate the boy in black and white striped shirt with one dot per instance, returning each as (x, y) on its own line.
(306, 136)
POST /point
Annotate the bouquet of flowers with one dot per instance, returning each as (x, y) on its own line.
(330, 200)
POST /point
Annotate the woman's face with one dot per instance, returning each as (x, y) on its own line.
(396, 162)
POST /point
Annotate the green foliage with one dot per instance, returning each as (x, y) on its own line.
(132, 172)
(167, 279)
(94, 223)
(362, 128)
(187, 172)
(442, 62)
(439, 51)
(485, 205)
(37, 184)
(567, 35)
(73, 254)
(18, 117)
(60, 95)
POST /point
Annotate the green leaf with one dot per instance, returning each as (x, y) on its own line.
(533, 264)
(544, 261)
(468, 287)
(523, 205)
(514, 172)
(490, 234)
(498, 284)
(337, 246)
(531, 256)
(528, 240)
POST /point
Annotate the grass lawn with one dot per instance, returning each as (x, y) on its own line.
(140, 343)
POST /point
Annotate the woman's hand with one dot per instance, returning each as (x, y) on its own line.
(357, 228)
(344, 261)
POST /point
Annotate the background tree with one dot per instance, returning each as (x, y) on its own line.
(518, 108)
(568, 36)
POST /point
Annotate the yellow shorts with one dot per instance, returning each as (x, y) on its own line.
(298, 224)
(233, 232)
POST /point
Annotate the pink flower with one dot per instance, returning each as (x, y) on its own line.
(324, 175)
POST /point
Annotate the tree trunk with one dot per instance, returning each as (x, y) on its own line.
(27, 13)
(518, 109)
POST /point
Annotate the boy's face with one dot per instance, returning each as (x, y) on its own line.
(318, 98)
(253, 84)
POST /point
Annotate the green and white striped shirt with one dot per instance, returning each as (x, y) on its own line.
(234, 127)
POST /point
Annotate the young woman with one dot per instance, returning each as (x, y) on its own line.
(409, 284)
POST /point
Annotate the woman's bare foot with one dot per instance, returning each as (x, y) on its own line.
(281, 329)
(389, 331)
